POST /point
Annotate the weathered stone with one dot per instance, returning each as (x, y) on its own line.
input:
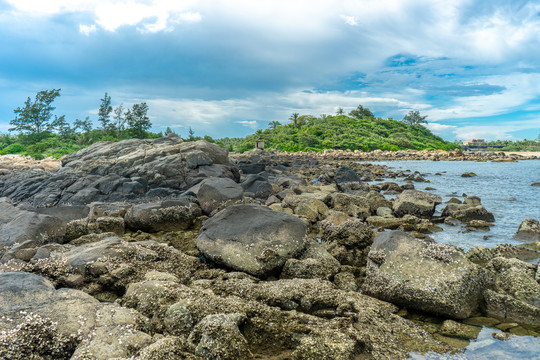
(171, 215)
(425, 276)
(215, 191)
(528, 230)
(417, 203)
(252, 238)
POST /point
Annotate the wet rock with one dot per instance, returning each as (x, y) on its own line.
(529, 230)
(459, 330)
(471, 209)
(468, 174)
(501, 336)
(425, 276)
(515, 295)
(252, 238)
(417, 203)
(479, 255)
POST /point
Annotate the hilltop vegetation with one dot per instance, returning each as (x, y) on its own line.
(341, 132)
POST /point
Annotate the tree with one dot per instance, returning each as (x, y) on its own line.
(104, 114)
(340, 111)
(85, 125)
(35, 116)
(361, 112)
(119, 119)
(274, 124)
(191, 133)
(62, 126)
(414, 118)
(294, 118)
(137, 120)
(168, 131)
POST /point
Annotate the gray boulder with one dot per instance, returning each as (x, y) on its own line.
(415, 202)
(515, 295)
(172, 215)
(21, 291)
(257, 186)
(471, 209)
(18, 225)
(213, 192)
(252, 238)
(218, 336)
(425, 276)
(528, 230)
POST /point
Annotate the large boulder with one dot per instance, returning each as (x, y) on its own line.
(257, 186)
(252, 238)
(425, 276)
(415, 202)
(471, 209)
(171, 215)
(515, 295)
(528, 230)
(213, 192)
(18, 225)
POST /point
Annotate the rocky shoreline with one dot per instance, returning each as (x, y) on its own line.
(161, 249)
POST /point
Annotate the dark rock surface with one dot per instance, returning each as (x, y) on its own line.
(252, 238)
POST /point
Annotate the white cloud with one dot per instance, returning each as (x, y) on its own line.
(439, 127)
(519, 89)
(151, 15)
(351, 20)
(87, 29)
(252, 124)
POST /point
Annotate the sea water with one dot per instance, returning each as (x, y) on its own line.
(505, 190)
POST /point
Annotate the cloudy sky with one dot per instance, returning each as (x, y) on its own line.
(228, 67)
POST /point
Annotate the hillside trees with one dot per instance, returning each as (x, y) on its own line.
(104, 114)
(361, 112)
(35, 117)
(137, 120)
(414, 118)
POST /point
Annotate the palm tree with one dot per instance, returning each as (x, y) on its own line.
(274, 124)
(294, 118)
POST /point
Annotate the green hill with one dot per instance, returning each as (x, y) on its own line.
(341, 132)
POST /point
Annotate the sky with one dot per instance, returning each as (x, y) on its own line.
(228, 67)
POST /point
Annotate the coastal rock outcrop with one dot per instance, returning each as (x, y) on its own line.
(470, 209)
(252, 238)
(118, 171)
(423, 275)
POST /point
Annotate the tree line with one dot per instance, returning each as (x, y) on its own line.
(39, 130)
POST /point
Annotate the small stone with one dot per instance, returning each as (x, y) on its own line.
(501, 336)
(459, 330)
(506, 326)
